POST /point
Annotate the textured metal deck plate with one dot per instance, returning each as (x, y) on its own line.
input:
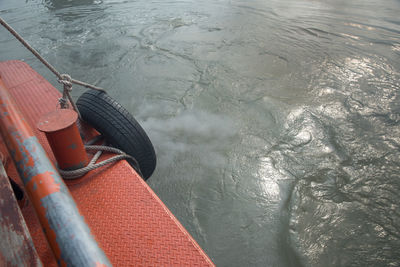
(128, 220)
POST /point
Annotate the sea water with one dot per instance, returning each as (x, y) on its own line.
(276, 123)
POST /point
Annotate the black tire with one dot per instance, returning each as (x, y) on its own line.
(118, 127)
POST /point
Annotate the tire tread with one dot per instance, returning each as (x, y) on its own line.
(119, 128)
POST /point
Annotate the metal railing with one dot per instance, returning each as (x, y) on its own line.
(64, 227)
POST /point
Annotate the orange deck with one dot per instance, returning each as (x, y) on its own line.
(128, 220)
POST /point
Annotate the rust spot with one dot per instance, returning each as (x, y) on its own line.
(22, 154)
(3, 160)
(56, 210)
(18, 250)
(8, 213)
(73, 146)
(43, 184)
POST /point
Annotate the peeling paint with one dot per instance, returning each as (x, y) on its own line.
(27, 157)
(16, 245)
(56, 210)
(43, 184)
(73, 146)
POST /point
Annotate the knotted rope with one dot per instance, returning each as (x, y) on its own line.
(64, 79)
(67, 81)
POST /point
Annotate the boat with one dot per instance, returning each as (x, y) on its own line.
(108, 216)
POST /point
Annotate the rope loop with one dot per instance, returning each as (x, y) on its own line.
(62, 78)
(63, 102)
(66, 80)
(66, 98)
(119, 155)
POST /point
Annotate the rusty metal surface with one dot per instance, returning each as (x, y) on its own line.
(67, 233)
(129, 221)
(57, 120)
(16, 245)
(63, 136)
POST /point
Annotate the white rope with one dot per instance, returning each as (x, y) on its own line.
(44, 61)
(67, 82)
(64, 79)
(63, 101)
(69, 175)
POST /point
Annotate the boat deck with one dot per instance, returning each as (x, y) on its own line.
(130, 223)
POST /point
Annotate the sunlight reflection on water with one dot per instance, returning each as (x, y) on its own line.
(276, 123)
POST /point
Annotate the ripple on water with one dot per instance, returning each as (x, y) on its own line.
(345, 203)
(276, 122)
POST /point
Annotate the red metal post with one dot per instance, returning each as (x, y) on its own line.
(63, 136)
(64, 227)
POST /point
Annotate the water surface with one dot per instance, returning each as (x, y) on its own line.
(276, 123)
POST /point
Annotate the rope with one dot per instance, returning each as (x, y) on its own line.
(67, 81)
(64, 79)
(93, 165)
(44, 61)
